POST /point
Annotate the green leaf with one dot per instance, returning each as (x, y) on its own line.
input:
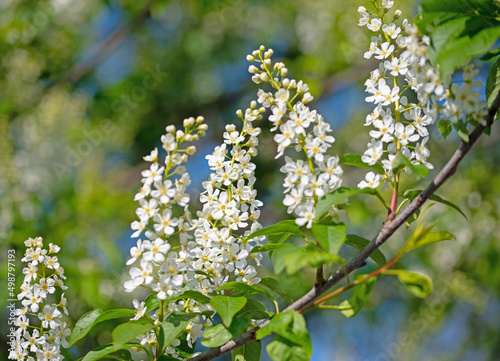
(227, 307)
(172, 326)
(418, 284)
(152, 302)
(92, 318)
(303, 258)
(83, 325)
(360, 243)
(105, 350)
(128, 331)
(280, 253)
(254, 310)
(275, 287)
(493, 83)
(351, 307)
(398, 163)
(280, 228)
(459, 30)
(412, 193)
(338, 196)
(195, 295)
(355, 160)
(282, 349)
(444, 127)
(216, 336)
(291, 326)
(418, 169)
(245, 289)
(430, 238)
(248, 352)
(490, 55)
(331, 237)
(461, 129)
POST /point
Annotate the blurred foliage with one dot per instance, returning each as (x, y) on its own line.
(86, 89)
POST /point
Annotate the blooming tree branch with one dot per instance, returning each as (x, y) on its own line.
(385, 233)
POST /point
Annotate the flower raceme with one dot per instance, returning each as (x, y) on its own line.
(296, 126)
(401, 125)
(43, 275)
(181, 252)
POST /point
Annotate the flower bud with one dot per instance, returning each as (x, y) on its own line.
(179, 134)
(253, 69)
(200, 119)
(201, 133)
(397, 14)
(253, 104)
(195, 137)
(170, 129)
(285, 82)
(239, 113)
(283, 71)
(203, 127)
(307, 98)
(188, 122)
(191, 150)
(263, 77)
(262, 48)
(188, 138)
(250, 58)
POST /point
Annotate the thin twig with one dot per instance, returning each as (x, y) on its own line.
(387, 231)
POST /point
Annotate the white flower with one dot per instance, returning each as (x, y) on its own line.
(305, 213)
(140, 309)
(374, 24)
(372, 180)
(373, 153)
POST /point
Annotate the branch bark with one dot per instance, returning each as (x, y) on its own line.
(385, 233)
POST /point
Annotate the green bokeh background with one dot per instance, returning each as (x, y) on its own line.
(87, 88)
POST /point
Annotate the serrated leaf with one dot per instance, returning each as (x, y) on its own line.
(355, 160)
(83, 325)
(432, 237)
(216, 336)
(303, 258)
(418, 284)
(351, 307)
(280, 253)
(490, 55)
(459, 30)
(172, 326)
(412, 193)
(444, 127)
(275, 287)
(254, 310)
(105, 350)
(248, 352)
(152, 302)
(291, 326)
(92, 318)
(227, 307)
(418, 169)
(288, 226)
(360, 243)
(282, 349)
(245, 289)
(493, 83)
(128, 331)
(398, 163)
(331, 237)
(338, 196)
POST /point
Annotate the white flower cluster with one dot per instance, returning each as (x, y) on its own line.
(212, 247)
(401, 126)
(43, 275)
(308, 179)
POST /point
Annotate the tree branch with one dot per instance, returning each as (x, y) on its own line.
(387, 231)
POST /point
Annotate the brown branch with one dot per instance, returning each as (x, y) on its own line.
(387, 231)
